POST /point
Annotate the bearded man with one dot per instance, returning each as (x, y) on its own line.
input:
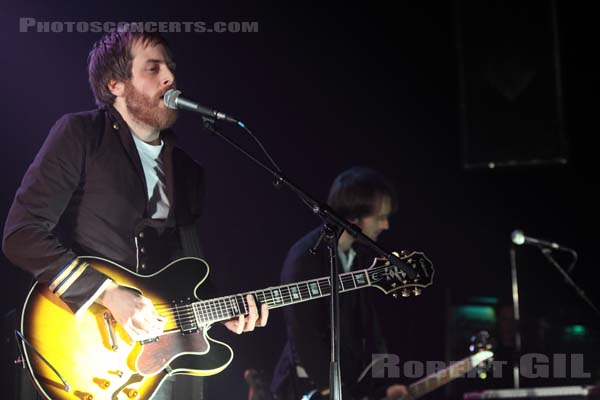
(111, 183)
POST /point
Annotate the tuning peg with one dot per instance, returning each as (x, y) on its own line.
(405, 292)
(416, 291)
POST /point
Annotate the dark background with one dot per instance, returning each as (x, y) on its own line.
(325, 88)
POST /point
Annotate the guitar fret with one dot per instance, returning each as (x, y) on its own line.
(234, 307)
(196, 313)
(213, 310)
(276, 293)
(210, 309)
(241, 302)
(207, 311)
(285, 294)
(346, 282)
(268, 297)
(353, 280)
(315, 290)
(223, 308)
(304, 292)
(295, 293)
(216, 308)
(260, 296)
(201, 312)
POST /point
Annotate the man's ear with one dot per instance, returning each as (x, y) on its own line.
(116, 88)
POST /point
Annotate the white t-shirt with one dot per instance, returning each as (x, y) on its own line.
(150, 155)
(346, 259)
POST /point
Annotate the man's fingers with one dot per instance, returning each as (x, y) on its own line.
(239, 328)
(252, 314)
(264, 315)
(134, 333)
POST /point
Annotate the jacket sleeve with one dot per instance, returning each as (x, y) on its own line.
(46, 190)
(308, 322)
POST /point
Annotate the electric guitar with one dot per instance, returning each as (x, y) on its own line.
(478, 361)
(91, 357)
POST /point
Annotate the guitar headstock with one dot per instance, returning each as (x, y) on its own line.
(390, 278)
(482, 341)
(481, 345)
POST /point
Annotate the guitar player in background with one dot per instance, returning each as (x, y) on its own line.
(365, 198)
(112, 183)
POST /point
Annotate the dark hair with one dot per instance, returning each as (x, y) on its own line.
(111, 59)
(356, 192)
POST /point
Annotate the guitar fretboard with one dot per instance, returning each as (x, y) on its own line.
(224, 308)
(432, 382)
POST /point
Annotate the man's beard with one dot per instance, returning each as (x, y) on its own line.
(146, 110)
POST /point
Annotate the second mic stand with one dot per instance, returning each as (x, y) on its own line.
(334, 225)
(548, 254)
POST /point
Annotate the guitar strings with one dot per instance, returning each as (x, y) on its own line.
(220, 309)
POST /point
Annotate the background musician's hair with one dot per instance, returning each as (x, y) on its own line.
(356, 192)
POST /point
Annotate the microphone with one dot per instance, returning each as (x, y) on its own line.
(518, 237)
(174, 100)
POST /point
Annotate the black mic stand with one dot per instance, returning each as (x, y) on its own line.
(334, 225)
(548, 254)
(516, 316)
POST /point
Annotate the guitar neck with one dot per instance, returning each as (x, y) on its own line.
(442, 377)
(228, 307)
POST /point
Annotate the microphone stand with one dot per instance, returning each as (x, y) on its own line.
(334, 225)
(516, 316)
(548, 254)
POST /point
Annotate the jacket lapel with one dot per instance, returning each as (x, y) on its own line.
(120, 127)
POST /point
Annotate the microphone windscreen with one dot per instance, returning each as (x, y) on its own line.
(170, 98)
(517, 237)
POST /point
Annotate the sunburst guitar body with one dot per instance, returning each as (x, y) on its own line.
(96, 358)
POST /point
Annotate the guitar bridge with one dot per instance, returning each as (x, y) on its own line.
(151, 340)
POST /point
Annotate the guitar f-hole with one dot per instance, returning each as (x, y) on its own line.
(19, 335)
(111, 333)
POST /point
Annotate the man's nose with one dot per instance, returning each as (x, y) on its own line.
(168, 77)
(385, 225)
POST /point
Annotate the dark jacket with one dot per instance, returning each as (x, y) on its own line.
(307, 325)
(85, 195)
